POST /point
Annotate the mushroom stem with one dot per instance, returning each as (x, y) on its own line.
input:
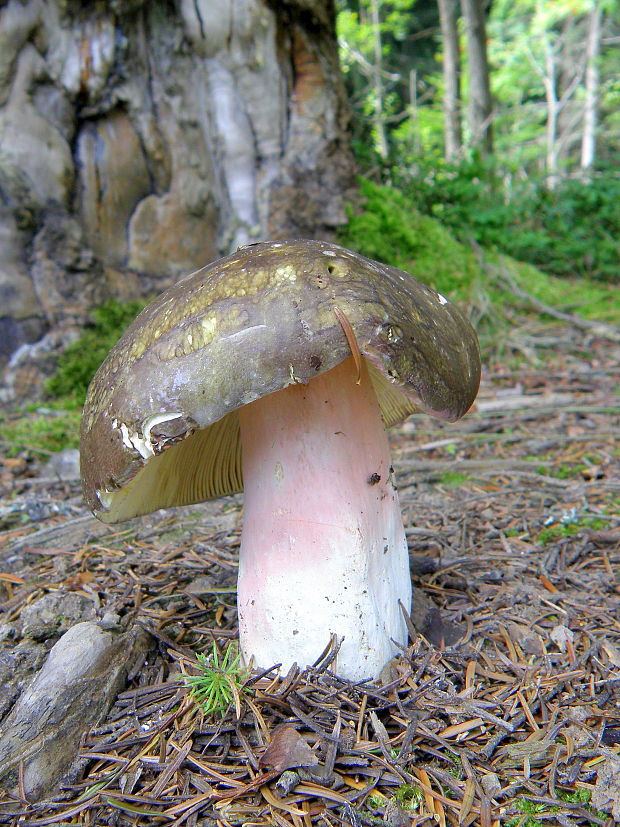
(323, 548)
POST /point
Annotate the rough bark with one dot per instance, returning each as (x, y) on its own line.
(140, 140)
(480, 103)
(448, 13)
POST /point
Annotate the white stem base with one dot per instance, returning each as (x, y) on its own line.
(323, 549)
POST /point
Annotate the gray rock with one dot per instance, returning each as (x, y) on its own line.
(202, 585)
(17, 668)
(54, 613)
(72, 692)
(31, 364)
(65, 465)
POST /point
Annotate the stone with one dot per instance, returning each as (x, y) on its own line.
(32, 364)
(65, 465)
(54, 613)
(71, 693)
(18, 667)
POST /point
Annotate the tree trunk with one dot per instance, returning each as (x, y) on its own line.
(448, 14)
(553, 108)
(377, 78)
(140, 140)
(480, 103)
(588, 141)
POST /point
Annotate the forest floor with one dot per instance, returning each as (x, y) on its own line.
(504, 709)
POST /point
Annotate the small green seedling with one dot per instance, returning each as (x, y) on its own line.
(219, 683)
(408, 796)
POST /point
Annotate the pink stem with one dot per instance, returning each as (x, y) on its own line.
(323, 549)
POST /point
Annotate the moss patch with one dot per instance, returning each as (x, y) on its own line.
(390, 229)
(42, 431)
(79, 362)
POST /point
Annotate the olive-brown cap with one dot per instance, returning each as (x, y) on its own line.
(160, 426)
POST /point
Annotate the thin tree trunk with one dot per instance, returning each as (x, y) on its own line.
(381, 139)
(413, 108)
(448, 13)
(552, 118)
(480, 102)
(588, 141)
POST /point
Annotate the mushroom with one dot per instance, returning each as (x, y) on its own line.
(276, 369)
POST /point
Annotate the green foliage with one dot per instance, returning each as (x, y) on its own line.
(536, 50)
(453, 479)
(407, 796)
(214, 689)
(406, 32)
(78, 363)
(529, 810)
(42, 431)
(588, 298)
(572, 230)
(581, 795)
(557, 531)
(392, 230)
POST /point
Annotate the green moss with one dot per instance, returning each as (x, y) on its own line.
(80, 360)
(529, 810)
(456, 764)
(408, 796)
(583, 297)
(579, 796)
(559, 530)
(375, 801)
(43, 431)
(390, 229)
(453, 479)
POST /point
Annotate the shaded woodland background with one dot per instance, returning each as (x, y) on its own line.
(140, 140)
(501, 119)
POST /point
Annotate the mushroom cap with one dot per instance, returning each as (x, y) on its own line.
(160, 426)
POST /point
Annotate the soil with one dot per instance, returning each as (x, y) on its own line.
(503, 710)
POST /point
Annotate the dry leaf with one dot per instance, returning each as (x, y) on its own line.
(562, 637)
(288, 750)
(612, 653)
(606, 793)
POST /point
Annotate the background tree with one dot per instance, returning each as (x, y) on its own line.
(593, 48)
(140, 140)
(448, 14)
(552, 86)
(545, 103)
(406, 31)
(480, 108)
